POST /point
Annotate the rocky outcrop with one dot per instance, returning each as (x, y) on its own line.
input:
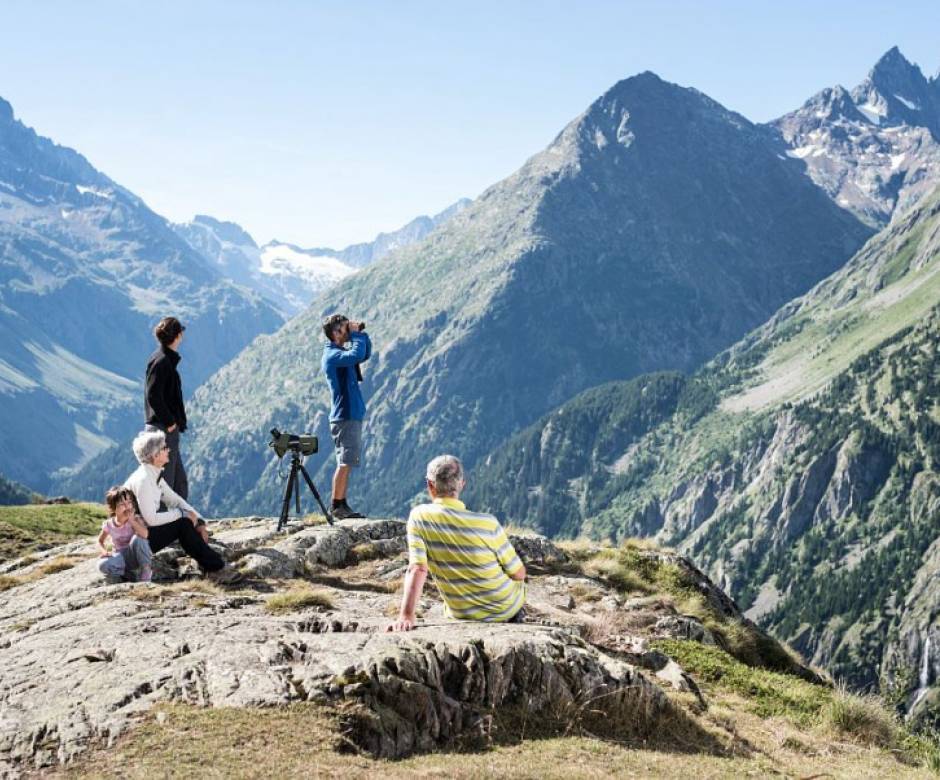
(859, 474)
(83, 659)
(911, 666)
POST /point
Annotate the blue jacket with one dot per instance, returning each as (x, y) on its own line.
(339, 365)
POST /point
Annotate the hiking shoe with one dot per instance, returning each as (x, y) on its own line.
(344, 512)
(227, 575)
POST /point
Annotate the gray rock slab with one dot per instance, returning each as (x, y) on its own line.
(82, 658)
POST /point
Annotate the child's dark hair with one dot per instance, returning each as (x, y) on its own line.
(116, 495)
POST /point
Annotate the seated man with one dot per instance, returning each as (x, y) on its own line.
(476, 569)
(179, 522)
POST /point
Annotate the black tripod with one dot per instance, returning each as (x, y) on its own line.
(293, 487)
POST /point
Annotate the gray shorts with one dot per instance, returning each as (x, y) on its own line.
(347, 438)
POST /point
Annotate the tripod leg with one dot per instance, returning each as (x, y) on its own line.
(297, 491)
(285, 506)
(316, 495)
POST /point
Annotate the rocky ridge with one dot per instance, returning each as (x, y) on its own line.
(876, 148)
(84, 659)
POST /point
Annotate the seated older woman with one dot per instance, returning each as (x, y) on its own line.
(178, 522)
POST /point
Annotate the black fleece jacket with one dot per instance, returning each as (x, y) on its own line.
(163, 397)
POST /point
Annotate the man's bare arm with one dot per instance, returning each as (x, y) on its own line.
(414, 584)
(518, 575)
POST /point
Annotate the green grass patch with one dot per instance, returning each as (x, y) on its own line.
(834, 712)
(633, 568)
(31, 527)
(768, 693)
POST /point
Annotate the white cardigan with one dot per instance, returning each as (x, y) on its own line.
(150, 492)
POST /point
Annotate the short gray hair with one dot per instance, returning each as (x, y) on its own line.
(445, 472)
(147, 445)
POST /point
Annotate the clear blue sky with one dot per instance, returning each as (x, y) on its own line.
(323, 123)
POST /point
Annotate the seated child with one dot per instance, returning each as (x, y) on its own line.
(131, 554)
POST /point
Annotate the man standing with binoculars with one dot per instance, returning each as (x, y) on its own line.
(347, 409)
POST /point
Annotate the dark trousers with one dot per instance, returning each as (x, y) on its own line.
(184, 532)
(173, 472)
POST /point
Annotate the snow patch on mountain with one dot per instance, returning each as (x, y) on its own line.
(291, 276)
(287, 259)
(92, 191)
(150, 300)
(873, 112)
(13, 381)
(909, 103)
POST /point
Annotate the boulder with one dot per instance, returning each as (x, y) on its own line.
(266, 563)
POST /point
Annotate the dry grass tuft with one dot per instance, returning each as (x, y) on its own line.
(519, 530)
(196, 589)
(584, 592)
(7, 582)
(864, 719)
(641, 543)
(364, 551)
(607, 564)
(297, 598)
(52, 566)
(57, 564)
(578, 549)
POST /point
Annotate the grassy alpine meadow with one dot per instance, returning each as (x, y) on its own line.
(747, 731)
(31, 528)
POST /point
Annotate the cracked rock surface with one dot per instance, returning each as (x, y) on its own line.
(83, 660)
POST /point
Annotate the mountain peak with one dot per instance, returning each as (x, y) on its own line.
(894, 74)
(893, 60)
(830, 103)
(896, 92)
(6, 111)
(227, 231)
(641, 83)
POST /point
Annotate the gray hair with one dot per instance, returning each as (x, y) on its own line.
(147, 445)
(445, 472)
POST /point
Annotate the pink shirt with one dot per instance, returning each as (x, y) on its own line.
(121, 535)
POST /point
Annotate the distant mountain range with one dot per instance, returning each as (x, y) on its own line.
(86, 270)
(656, 230)
(290, 276)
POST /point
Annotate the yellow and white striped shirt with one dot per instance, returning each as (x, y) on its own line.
(470, 558)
